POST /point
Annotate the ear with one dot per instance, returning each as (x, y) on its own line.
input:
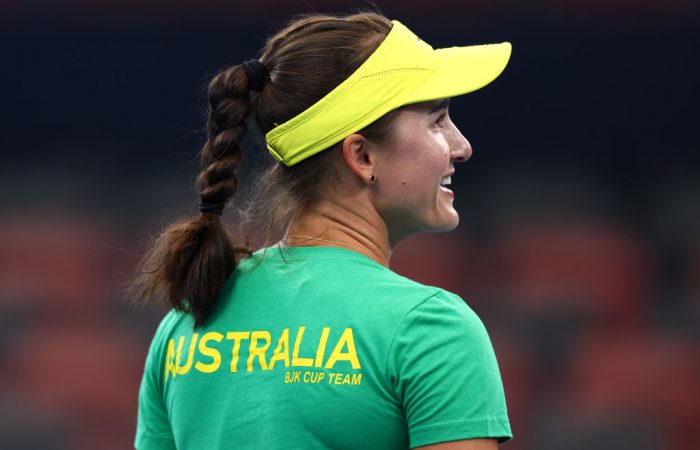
(358, 156)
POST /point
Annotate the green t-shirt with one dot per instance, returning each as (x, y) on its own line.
(321, 347)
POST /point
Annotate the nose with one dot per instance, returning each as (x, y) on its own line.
(461, 149)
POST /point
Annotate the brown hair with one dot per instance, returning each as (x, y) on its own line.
(191, 260)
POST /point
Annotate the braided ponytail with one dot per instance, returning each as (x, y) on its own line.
(191, 260)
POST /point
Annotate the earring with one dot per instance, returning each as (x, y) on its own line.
(372, 179)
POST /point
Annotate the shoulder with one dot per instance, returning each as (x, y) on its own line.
(442, 365)
(171, 323)
(442, 312)
(443, 304)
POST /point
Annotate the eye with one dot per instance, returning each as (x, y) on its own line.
(440, 120)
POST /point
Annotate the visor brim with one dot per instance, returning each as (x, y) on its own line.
(461, 70)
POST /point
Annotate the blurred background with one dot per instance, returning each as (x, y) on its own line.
(579, 242)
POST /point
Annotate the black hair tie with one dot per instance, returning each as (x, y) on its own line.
(256, 74)
(215, 208)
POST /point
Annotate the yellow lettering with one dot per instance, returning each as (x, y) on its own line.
(338, 355)
(181, 370)
(292, 377)
(296, 360)
(236, 337)
(321, 347)
(254, 350)
(210, 352)
(316, 377)
(170, 359)
(281, 353)
(177, 363)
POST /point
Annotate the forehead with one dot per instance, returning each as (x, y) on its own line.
(419, 111)
(428, 107)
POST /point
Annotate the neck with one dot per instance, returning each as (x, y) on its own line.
(343, 225)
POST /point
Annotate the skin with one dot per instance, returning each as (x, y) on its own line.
(406, 198)
(466, 444)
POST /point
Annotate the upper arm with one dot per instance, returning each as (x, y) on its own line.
(444, 370)
(467, 444)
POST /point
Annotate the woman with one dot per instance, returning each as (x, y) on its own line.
(312, 342)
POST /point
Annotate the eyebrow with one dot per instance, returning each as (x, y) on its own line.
(440, 105)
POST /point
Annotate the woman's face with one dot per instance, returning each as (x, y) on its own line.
(413, 170)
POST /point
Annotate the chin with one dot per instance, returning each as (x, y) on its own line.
(445, 225)
(447, 228)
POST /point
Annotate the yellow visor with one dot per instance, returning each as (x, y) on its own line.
(401, 71)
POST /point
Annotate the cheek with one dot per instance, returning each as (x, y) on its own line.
(414, 163)
(405, 188)
(418, 175)
(406, 184)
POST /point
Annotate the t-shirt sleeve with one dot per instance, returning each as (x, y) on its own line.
(153, 430)
(444, 370)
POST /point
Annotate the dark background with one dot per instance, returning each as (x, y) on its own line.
(579, 242)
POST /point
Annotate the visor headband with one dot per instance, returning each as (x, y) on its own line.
(397, 73)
